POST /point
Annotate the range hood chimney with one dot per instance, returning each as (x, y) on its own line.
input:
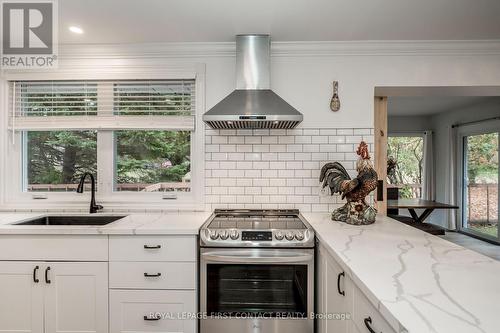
(253, 104)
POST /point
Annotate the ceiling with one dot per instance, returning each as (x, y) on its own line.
(134, 21)
(425, 106)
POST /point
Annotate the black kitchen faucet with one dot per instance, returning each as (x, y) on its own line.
(93, 206)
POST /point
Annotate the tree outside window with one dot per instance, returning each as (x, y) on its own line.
(405, 164)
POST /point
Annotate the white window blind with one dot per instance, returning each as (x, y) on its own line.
(131, 104)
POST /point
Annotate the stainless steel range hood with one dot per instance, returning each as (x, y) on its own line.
(252, 104)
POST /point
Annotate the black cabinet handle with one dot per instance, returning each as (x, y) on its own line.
(368, 324)
(47, 280)
(35, 277)
(341, 292)
(152, 247)
(152, 275)
(152, 318)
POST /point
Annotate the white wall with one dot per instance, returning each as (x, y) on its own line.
(408, 124)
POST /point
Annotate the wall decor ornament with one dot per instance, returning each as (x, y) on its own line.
(335, 101)
(356, 211)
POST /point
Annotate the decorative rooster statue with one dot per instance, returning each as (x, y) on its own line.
(335, 176)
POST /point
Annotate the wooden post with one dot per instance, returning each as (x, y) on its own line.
(380, 158)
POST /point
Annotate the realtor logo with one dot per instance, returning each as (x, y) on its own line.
(29, 33)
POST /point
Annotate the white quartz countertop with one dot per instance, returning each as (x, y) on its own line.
(178, 223)
(419, 282)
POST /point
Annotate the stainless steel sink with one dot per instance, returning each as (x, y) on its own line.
(81, 220)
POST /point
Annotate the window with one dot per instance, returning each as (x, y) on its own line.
(152, 161)
(133, 135)
(56, 159)
(405, 164)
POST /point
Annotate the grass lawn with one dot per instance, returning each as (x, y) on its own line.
(491, 230)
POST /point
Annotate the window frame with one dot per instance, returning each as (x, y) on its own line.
(13, 195)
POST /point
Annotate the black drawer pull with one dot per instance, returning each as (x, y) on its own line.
(35, 277)
(47, 280)
(152, 275)
(341, 292)
(152, 247)
(368, 324)
(152, 318)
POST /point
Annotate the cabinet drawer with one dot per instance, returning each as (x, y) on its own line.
(54, 247)
(128, 308)
(364, 309)
(152, 248)
(162, 275)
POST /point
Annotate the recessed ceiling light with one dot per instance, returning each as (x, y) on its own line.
(76, 30)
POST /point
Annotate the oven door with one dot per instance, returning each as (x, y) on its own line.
(256, 290)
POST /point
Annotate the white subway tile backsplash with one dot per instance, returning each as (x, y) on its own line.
(286, 156)
(212, 148)
(227, 182)
(268, 169)
(327, 131)
(345, 131)
(236, 156)
(219, 139)
(269, 156)
(269, 139)
(294, 148)
(277, 148)
(260, 148)
(253, 173)
(243, 148)
(319, 139)
(269, 173)
(236, 139)
(253, 139)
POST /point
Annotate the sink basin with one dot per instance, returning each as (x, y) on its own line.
(72, 220)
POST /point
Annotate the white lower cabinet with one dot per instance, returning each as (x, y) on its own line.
(152, 284)
(152, 311)
(68, 297)
(76, 299)
(335, 293)
(338, 295)
(21, 298)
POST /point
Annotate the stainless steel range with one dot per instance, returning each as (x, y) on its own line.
(256, 272)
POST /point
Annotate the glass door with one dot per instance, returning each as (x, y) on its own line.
(480, 185)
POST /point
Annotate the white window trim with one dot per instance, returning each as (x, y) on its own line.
(12, 196)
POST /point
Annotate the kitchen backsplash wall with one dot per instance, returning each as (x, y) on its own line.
(264, 168)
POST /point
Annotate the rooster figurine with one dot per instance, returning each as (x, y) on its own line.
(334, 175)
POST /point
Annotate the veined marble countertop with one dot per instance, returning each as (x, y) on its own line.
(418, 281)
(178, 223)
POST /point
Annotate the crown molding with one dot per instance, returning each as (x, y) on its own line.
(282, 49)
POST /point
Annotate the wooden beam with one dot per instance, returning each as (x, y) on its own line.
(380, 159)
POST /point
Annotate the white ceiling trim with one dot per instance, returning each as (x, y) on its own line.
(357, 48)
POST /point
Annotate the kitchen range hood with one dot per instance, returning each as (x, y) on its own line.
(252, 104)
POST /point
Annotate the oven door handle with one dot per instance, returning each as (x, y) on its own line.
(257, 258)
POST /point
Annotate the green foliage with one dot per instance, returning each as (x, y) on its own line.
(482, 158)
(144, 156)
(408, 153)
(60, 157)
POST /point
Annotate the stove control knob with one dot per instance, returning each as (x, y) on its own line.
(214, 234)
(299, 236)
(224, 234)
(289, 235)
(279, 235)
(234, 234)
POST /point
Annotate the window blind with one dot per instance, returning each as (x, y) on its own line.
(130, 104)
